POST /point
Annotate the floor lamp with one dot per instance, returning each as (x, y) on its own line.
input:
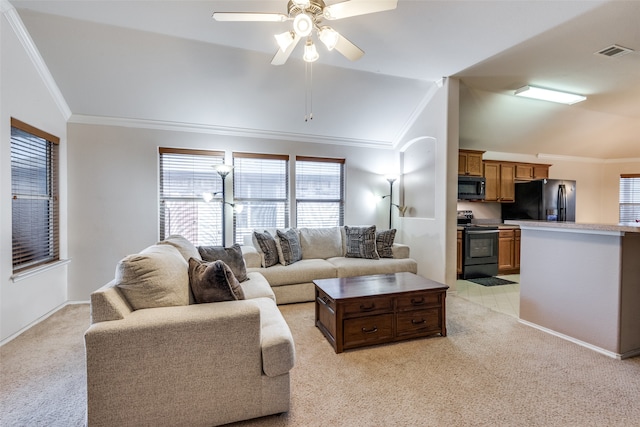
(224, 170)
(402, 209)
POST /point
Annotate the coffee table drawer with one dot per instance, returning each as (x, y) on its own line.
(419, 300)
(368, 330)
(368, 306)
(419, 322)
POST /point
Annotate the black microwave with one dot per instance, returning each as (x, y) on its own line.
(471, 187)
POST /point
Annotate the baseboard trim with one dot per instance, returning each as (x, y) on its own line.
(40, 319)
(576, 341)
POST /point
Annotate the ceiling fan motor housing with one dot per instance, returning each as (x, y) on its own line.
(314, 9)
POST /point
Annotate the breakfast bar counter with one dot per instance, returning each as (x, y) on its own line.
(582, 282)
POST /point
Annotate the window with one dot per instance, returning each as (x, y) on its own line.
(319, 192)
(185, 175)
(34, 190)
(261, 187)
(629, 197)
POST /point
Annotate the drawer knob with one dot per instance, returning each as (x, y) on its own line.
(417, 301)
(367, 307)
(418, 322)
(370, 331)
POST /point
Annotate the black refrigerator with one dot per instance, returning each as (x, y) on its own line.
(544, 199)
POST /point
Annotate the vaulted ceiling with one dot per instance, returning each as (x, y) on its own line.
(157, 61)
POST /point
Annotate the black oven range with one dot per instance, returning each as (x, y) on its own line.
(480, 251)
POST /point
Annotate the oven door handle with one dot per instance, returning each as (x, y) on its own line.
(483, 231)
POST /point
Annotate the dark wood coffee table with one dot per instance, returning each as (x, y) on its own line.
(366, 310)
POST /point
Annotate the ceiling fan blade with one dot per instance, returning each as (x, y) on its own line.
(348, 49)
(281, 56)
(350, 8)
(249, 16)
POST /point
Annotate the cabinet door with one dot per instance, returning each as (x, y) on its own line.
(474, 164)
(462, 163)
(505, 250)
(507, 182)
(516, 247)
(524, 171)
(540, 171)
(492, 186)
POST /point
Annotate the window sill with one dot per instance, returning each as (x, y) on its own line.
(37, 270)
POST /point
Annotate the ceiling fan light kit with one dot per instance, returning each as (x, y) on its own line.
(310, 52)
(549, 95)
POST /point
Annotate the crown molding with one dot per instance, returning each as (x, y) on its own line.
(584, 159)
(417, 112)
(225, 130)
(32, 52)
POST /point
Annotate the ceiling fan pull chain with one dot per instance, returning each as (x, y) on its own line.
(308, 91)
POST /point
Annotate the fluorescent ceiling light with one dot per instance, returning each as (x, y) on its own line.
(549, 95)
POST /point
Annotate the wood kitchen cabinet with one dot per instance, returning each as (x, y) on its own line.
(470, 162)
(531, 171)
(509, 251)
(500, 181)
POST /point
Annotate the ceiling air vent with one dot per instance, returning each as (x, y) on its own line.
(614, 50)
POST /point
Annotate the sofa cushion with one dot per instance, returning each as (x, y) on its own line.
(156, 277)
(213, 282)
(268, 248)
(303, 271)
(290, 246)
(361, 242)
(184, 246)
(384, 243)
(321, 243)
(257, 287)
(350, 267)
(232, 256)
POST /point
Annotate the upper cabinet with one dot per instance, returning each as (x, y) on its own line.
(529, 171)
(470, 162)
(500, 181)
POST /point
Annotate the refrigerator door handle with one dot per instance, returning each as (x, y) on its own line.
(562, 203)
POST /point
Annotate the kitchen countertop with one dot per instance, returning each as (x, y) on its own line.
(578, 227)
(500, 226)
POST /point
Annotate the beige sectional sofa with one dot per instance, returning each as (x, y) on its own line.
(323, 257)
(165, 362)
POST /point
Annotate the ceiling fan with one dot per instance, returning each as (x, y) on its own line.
(307, 16)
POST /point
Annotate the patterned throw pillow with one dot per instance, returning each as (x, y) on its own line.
(232, 256)
(213, 282)
(384, 241)
(290, 244)
(268, 248)
(361, 242)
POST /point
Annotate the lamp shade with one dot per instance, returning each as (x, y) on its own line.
(284, 40)
(310, 52)
(302, 24)
(223, 169)
(329, 37)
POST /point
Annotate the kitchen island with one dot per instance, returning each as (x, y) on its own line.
(582, 282)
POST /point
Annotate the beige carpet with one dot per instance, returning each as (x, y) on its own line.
(489, 371)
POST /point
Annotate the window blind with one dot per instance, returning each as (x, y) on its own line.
(185, 175)
(629, 198)
(261, 187)
(319, 192)
(34, 189)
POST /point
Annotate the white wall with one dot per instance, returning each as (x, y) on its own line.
(429, 226)
(27, 97)
(113, 190)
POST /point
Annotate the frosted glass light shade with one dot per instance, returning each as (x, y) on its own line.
(329, 37)
(310, 52)
(284, 40)
(302, 25)
(549, 95)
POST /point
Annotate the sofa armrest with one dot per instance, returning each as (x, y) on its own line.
(400, 251)
(251, 257)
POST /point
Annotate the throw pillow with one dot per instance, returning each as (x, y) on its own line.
(321, 243)
(232, 256)
(290, 244)
(361, 242)
(384, 242)
(268, 247)
(185, 247)
(213, 282)
(155, 277)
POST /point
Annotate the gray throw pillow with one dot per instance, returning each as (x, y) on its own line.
(384, 242)
(268, 246)
(232, 256)
(361, 242)
(213, 282)
(290, 244)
